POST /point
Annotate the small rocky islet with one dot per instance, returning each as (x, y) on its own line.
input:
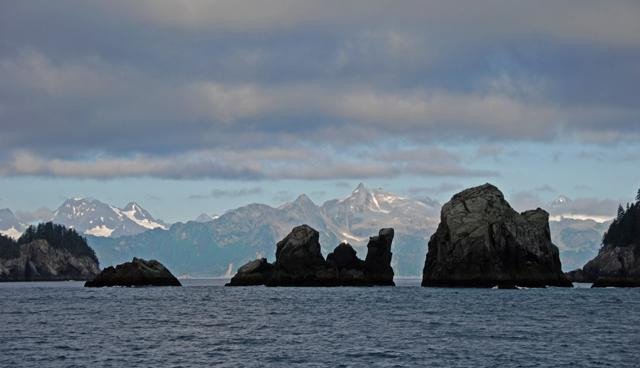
(299, 262)
(138, 272)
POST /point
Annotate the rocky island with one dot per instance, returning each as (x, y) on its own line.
(47, 252)
(618, 261)
(299, 262)
(482, 242)
(138, 272)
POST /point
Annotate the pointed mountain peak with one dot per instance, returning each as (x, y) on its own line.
(131, 206)
(360, 188)
(303, 199)
(203, 217)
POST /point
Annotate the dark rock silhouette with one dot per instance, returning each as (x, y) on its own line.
(618, 261)
(348, 267)
(377, 264)
(614, 266)
(299, 262)
(40, 261)
(482, 242)
(138, 272)
(256, 272)
(578, 276)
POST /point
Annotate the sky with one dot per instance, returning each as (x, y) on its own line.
(203, 106)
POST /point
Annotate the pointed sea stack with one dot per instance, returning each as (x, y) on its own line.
(377, 264)
(482, 242)
(138, 272)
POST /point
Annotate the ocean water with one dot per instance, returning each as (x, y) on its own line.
(204, 324)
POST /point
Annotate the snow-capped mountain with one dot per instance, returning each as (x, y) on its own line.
(357, 215)
(242, 234)
(93, 217)
(10, 225)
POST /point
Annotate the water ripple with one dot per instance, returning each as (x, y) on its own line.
(65, 325)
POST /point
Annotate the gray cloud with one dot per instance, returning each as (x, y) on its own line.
(251, 90)
(545, 189)
(438, 189)
(229, 193)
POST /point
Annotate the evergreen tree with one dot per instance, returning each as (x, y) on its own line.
(59, 237)
(638, 196)
(620, 213)
(8, 247)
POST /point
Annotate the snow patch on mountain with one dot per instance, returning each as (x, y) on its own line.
(99, 231)
(12, 232)
(569, 216)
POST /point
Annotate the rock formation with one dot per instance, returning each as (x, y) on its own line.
(40, 261)
(256, 272)
(618, 261)
(577, 276)
(377, 264)
(349, 269)
(482, 242)
(614, 266)
(138, 272)
(299, 262)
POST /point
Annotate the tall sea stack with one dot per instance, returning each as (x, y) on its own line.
(482, 242)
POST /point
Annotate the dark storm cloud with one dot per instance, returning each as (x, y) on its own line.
(200, 89)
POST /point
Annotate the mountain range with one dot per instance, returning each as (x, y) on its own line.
(218, 245)
(87, 216)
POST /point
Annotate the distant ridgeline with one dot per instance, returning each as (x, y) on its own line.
(47, 252)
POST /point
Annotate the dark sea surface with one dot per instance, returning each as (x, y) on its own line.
(62, 324)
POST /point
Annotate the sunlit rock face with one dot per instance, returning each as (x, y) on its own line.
(482, 242)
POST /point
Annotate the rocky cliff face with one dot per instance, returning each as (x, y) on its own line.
(39, 261)
(138, 272)
(299, 262)
(482, 242)
(617, 266)
(618, 261)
